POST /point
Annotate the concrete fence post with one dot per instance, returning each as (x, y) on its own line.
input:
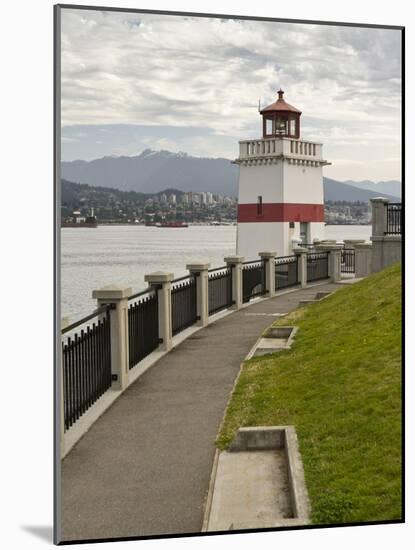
(235, 263)
(379, 216)
(118, 297)
(201, 273)
(334, 260)
(363, 259)
(301, 254)
(160, 281)
(269, 261)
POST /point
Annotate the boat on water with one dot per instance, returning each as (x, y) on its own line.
(77, 220)
(174, 224)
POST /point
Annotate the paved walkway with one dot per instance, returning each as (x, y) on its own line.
(143, 468)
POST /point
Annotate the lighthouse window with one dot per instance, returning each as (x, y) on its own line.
(281, 126)
(259, 206)
(268, 126)
(292, 127)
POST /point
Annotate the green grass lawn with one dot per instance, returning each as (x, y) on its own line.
(340, 386)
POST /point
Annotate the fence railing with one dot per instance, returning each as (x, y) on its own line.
(219, 289)
(143, 326)
(86, 364)
(393, 219)
(286, 272)
(317, 266)
(183, 303)
(90, 367)
(253, 280)
(347, 262)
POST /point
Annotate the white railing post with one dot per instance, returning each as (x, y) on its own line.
(269, 262)
(301, 254)
(235, 263)
(334, 260)
(201, 272)
(118, 297)
(362, 259)
(161, 282)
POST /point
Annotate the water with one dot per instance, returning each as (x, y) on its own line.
(122, 255)
(341, 232)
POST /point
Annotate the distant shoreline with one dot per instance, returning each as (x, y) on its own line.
(233, 224)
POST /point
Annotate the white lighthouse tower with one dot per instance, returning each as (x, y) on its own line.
(280, 195)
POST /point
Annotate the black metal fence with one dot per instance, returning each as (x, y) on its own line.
(253, 280)
(394, 218)
(317, 266)
(347, 260)
(183, 303)
(143, 326)
(219, 289)
(286, 272)
(86, 365)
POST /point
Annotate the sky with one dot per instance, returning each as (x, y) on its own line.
(133, 81)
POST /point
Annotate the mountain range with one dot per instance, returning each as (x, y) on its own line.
(154, 171)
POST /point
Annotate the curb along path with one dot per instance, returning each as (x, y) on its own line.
(143, 468)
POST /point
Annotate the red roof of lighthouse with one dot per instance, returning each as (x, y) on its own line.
(280, 105)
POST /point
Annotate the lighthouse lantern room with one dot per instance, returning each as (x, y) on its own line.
(280, 192)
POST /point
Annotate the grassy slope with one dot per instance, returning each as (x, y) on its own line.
(340, 385)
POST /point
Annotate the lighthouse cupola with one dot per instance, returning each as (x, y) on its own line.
(280, 119)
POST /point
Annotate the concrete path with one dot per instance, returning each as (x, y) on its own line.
(143, 469)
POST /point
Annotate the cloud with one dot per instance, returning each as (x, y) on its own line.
(155, 70)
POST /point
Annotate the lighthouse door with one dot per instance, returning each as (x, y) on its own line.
(304, 232)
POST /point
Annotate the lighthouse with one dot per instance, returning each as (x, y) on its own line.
(280, 189)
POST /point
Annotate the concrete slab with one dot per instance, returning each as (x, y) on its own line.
(251, 489)
(272, 342)
(258, 483)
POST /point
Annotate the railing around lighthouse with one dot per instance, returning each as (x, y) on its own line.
(219, 289)
(143, 325)
(86, 364)
(253, 280)
(277, 146)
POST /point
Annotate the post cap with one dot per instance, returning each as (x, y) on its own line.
(379, 199)
(64, 322)
(198, 266)
(112, 292)
(363, 245)
(300, 250)
(329, 247)
(234, 259)
(159, 277)
(353, 241)
(267, 254)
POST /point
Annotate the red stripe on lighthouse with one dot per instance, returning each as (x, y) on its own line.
(281, 212)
